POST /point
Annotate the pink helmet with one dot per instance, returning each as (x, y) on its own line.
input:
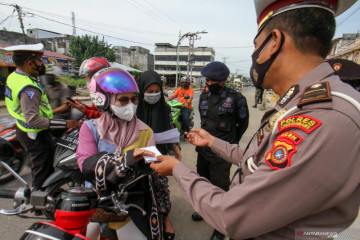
(110, 81)
(90, 66)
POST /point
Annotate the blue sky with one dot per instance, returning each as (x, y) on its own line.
(231, 24)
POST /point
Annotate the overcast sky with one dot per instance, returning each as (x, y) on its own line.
(231, 24)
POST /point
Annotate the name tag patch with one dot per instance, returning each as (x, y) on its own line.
(305, 123)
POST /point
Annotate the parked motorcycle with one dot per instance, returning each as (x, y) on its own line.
(176, 107)
(73, 208)
(8, 133)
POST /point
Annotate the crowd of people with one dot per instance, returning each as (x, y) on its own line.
(294, 173)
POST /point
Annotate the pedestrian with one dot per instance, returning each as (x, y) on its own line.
(258, 96)
(185, 95)
(87, 69)
(27, 102)
(223, 113)
(300, 172)
(154, 111)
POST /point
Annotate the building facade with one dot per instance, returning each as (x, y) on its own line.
(135, 56)
(347, 47)
(166, 60)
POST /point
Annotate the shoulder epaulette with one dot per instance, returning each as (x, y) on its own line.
(319, 92)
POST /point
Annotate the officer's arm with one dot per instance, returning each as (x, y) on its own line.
(30, 100)
(318, 179)
(229, 152)
(242, 118)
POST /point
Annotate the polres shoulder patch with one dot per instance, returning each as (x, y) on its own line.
(319, 92)
(305, 123)
(284, 147)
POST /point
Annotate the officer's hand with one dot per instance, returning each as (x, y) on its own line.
(140, 153)
(165, 166)
(177, 153)
(73, 124)
(200, 138)
(78, 105)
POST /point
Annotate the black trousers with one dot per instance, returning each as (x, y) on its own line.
(41, 153)
(213, 168)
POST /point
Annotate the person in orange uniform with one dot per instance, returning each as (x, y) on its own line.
(180, 93)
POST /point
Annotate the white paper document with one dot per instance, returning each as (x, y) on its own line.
(169, 136)
(154, 150)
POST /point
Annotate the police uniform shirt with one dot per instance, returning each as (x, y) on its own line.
(224, 115)
(301, 170)
(30, 99)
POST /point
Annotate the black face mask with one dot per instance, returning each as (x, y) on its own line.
(185, 86)
(214, 88)
(41, 69)
(258, 70)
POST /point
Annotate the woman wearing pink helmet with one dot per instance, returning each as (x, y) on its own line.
(116, 132)
(87, 69)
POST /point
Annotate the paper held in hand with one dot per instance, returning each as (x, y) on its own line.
(154, 150)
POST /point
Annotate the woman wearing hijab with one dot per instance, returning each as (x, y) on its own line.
(106, 145)
(154, 111)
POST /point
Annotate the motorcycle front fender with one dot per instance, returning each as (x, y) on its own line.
(61, 174)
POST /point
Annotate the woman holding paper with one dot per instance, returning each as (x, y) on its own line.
(104, 140)
(154, 111)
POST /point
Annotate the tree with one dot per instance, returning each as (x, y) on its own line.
(84, 47)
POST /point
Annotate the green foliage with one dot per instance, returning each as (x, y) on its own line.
(72, 81)
(84, 47)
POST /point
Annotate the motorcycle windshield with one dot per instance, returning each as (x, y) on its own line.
(175, 104)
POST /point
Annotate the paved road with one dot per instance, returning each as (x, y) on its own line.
(13, 227)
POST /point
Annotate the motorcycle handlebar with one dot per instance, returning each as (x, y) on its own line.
(7, 193)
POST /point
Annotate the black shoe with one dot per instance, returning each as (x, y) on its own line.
(217, 236)
(254, 106)
(196, 217)
(38, 213)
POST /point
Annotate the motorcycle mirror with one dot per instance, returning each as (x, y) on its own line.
(187, 97)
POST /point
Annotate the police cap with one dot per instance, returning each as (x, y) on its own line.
(36, 50)
(266, 9)
(216, 71)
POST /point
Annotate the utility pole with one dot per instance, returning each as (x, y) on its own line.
(192, 37)
(18, 9)
(73, 23)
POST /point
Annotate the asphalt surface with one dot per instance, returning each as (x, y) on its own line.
(12, 227)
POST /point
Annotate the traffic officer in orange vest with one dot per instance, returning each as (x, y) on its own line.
(299, 175)
(27, 102)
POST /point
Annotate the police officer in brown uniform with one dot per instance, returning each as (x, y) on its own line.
(301, 168)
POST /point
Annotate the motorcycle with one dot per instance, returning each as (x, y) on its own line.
(74, 208)
(176, 107)
(67, 173)
(8, 133)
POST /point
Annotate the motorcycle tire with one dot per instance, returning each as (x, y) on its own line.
(16, 163)
(56, 188)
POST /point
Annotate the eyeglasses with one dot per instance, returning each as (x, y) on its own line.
(125, 100)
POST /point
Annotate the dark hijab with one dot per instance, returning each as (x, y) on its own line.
(156, 116)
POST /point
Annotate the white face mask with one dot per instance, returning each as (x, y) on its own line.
(152, 98)
(126, 112)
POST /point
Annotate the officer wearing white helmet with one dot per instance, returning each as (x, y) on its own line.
(299, 175)
(27, 102)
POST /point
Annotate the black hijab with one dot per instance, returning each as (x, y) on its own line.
(156, 116)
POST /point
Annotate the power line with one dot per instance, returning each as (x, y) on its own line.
(7, 17)
(122, 39)
(344, 20)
